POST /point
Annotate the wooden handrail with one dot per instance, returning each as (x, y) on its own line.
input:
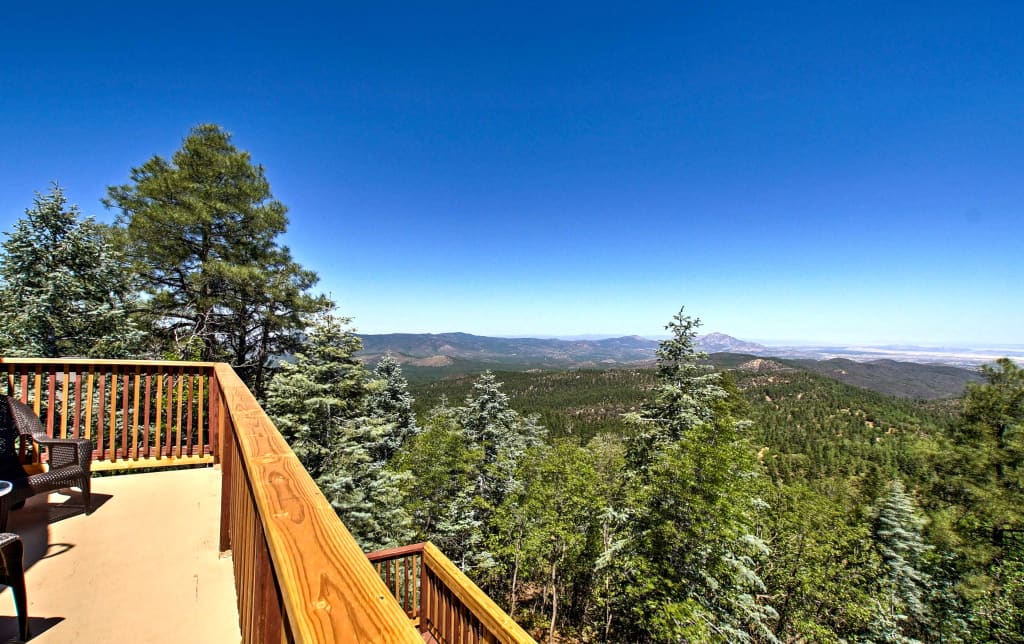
(326, 586)
(456, 606)
(105, 362)
(479, 604)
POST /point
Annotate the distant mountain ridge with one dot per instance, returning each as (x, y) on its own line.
(441, 348)
(418, 347)
(427, 356)
(722, 343)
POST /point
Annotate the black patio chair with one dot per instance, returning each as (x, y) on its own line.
(69, 458)
(12, 573)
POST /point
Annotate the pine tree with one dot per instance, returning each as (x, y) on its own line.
(319, 403)
(458, 488)
(982, 481)
(439, 491)
(202, 230)
(312, 397)
(903, 612)
(390, 401)
(684, 398)
(502, 435)
(692, 552)
(66, 291)
(991, 440)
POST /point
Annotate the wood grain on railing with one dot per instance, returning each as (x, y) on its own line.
(130, 409)
(299, 574)
(441, 599)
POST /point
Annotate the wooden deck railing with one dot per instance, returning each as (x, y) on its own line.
(441, 600)
(138, 413)
(299, 574)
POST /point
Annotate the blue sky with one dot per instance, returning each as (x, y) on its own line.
(847, 172)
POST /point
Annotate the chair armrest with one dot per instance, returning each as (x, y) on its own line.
(67, 451)
(6, 538)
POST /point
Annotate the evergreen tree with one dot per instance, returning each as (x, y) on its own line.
(823, 570)
(502, 435)
(999, 614)
(692, 551)
(312, 398)
(903, 614)
(439, 491)
(319, 404)
(685, 396)
(66, 291)
(982, 474)
(202, 230)
(981, 483)
(464, 466)
(991, 442)
(389, 400)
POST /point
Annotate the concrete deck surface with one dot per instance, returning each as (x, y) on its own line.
(143, 567)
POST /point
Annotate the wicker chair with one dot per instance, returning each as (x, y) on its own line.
(69, 459)
(12, 573)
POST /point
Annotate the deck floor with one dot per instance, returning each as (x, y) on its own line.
(143, 567)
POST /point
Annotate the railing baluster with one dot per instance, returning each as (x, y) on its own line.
(78, 403)
(170, 407)
(199, 441)
(136, 399)
(89, 381)
(145, 412)
(101, 401)
(51, 407)
(38, 390)
(65, 388)
(177, 426)
(191, 401)
(125, 392)
(112, 425)
(405, 587)
(157, 444)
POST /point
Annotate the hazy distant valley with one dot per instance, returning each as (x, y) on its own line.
(903, 371)
(444, 349)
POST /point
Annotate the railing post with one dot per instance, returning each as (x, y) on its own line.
(212, 413)
(268, 614)
(227, 465)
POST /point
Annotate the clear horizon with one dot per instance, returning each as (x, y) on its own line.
(841, 174)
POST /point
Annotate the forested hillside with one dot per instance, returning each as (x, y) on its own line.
(857, 492)
(583, 402)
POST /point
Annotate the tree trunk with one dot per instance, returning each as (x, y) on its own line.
(554, 600)
(515, 577)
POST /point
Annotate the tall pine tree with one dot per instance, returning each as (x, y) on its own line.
(202, 230)
(691, 550)
(902, 611)
(319, 403)
(66, 290)
(390, 401)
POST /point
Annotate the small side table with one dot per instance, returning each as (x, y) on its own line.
(5, 489)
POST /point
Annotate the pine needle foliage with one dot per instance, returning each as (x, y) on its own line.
(66, 290)
(319, 402)
(692, 552)
(902, 611)
(202, 230)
